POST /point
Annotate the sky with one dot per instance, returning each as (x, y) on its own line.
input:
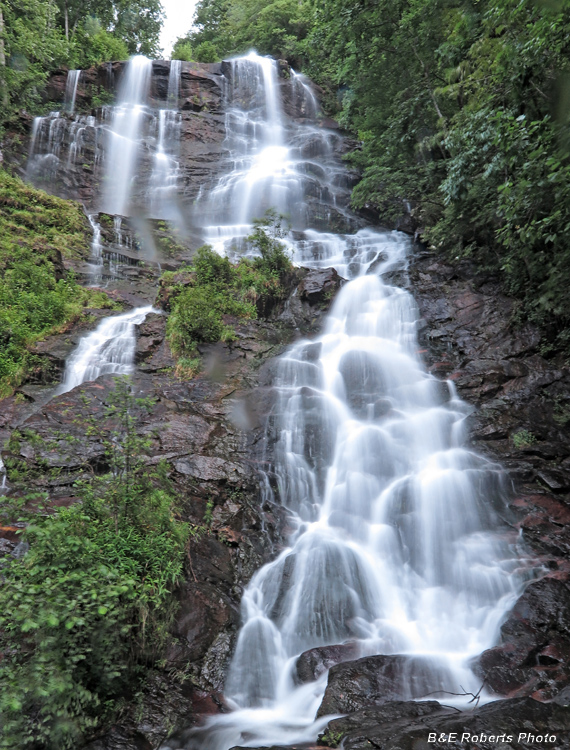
(179, 14)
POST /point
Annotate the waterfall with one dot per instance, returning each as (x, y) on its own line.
(124, 136)
(173, 94)
(108, 350)
(398, 543)
(304, 99)
(273, 163)
(165, 172)
(73, 77)
(96, 260)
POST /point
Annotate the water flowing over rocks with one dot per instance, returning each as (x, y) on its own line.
(262, 642)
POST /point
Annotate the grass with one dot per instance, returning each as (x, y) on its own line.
(38, 297)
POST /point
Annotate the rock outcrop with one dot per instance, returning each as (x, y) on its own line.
(210, 431)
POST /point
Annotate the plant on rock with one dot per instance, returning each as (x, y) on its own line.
(217, 291)
(89, 604)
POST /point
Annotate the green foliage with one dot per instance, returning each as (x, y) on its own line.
(37, 297)
(331, 737)
(92, 45)
(182, 50)
(217, 289)
(32, 45)
(206, 52)
(523, 439)
(89, 604)
(278, 28)
(136, 23)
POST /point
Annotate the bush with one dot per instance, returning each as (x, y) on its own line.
(215, 288)
(90, 602)
(206, 52)
(92, 45)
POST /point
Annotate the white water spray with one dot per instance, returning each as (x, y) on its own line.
(108, 350)
(71, 84)
(124, 136)
(399, 544)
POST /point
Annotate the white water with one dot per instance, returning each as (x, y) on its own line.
(71, 84)
(273, 163)
(124, 149)
(173, 94)
(108, 350)
(399, 543)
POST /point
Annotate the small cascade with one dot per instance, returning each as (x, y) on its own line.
(78, 134)
(166, 169)
(48, 142)
(71, 84)
(108, 350)
(173, 95)
(96, 260)
(3, 479)
(57, 143)
(126, 129)
(305, 103)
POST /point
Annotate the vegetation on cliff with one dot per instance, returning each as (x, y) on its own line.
(463, 110)
(87, 608)
(205, 297)
(38, 36)
(37, 295)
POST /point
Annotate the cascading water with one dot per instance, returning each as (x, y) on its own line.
(71, 84)
(173, 95)
(272, 164)
(125, 132)
(108, 350)
(399, 545)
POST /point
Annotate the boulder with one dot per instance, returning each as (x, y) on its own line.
(315, 662)
(513, 724)
(533, 657)
(319, 285)
(374, 680)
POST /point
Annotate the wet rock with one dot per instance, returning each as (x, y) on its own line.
(374, 680)
(408, 726)
(315, 662)
(152, 352)
(318, 285)
(533, 657)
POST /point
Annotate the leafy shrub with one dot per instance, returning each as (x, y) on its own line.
(206, 52)
(90, 603)
(523, 439)
(216, 288)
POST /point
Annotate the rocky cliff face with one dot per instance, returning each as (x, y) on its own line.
(65, 153)
(211, 431)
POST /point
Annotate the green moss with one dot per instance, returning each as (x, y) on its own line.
(37, 296)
